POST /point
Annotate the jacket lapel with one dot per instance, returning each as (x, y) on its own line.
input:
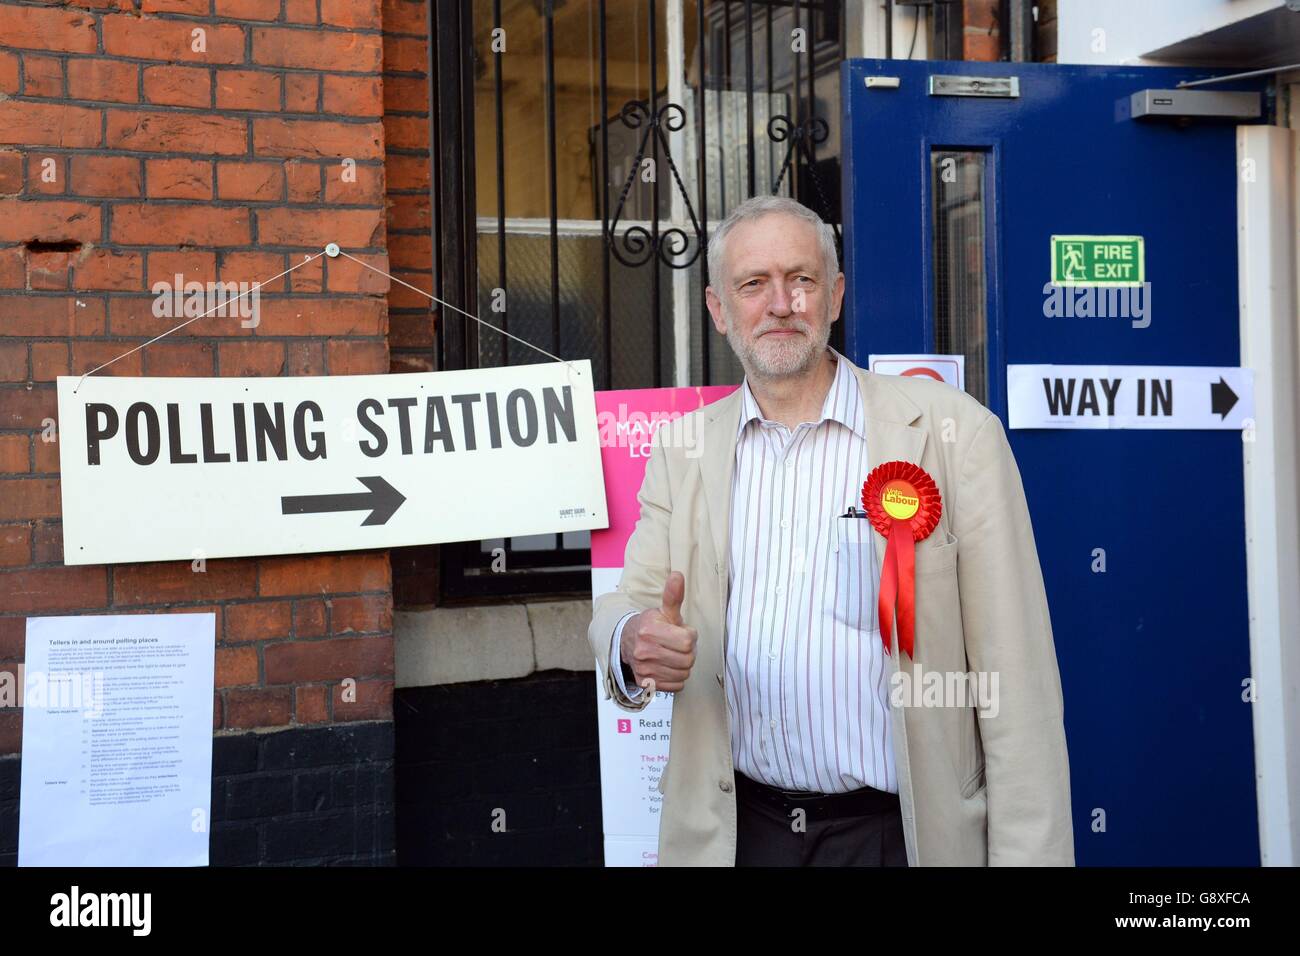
(717, 464)
(891, 435)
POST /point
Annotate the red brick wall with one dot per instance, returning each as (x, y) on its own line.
(222, 164)
(981, 36)
(406, 144)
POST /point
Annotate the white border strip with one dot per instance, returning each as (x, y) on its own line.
(1266, 261)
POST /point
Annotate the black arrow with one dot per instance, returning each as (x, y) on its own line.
(382, 500)
(1222, 398)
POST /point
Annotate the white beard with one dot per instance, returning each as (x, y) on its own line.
(770, 358)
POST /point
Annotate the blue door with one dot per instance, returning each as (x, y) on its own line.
(951, 203)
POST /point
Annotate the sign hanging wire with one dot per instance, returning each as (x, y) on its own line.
(448, 305)
(332, 250)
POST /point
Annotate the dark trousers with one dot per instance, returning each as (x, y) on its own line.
(767, 836)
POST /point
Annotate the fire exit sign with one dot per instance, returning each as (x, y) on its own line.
(1097, 260)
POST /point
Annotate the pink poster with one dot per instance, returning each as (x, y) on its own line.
(633, 746)
(627, 419)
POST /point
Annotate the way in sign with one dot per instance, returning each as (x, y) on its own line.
(1154, 396)
(1129, 396)
(264, 431)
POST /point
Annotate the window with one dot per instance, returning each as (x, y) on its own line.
(957, 180)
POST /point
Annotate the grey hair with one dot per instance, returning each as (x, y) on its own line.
(758, 206)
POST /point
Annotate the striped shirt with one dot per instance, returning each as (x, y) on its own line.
(807, 678)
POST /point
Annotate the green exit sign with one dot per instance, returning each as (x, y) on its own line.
(1097, 260)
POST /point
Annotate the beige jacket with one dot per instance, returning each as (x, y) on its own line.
(975, 789)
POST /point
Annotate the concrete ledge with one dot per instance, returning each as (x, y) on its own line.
(455, 645)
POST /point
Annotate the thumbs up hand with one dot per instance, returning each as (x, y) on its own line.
(657, 644)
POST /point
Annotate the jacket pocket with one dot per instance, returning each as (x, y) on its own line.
(973, 783)
(937, 557)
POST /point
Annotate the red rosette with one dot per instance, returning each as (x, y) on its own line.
(930, 504)
(903, 504)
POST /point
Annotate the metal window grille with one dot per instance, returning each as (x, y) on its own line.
(581, 150)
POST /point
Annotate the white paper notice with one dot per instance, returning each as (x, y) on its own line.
(942, 368)
(633, 754)
(1130, 396)
(117, 740)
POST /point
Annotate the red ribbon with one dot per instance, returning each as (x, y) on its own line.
(898, 576)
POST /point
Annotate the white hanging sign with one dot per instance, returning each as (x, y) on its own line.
(1130, 396)
(158, 469)
(943, 368)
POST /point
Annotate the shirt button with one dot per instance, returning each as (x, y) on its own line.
(774, 725)
(785, 522)
(780, 589)
(772, 655)
(789, 463)
(724, 786)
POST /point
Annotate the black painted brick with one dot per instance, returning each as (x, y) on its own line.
(269, 795)
(264, 808)
(529, 747)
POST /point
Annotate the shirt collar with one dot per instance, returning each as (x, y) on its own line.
(843, 402)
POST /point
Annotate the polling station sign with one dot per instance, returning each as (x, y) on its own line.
(160, 469)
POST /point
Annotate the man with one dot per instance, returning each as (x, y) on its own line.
(750, 593)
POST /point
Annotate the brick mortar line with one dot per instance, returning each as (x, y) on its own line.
(99, 15)
(100, 294)
(184, 110)
(110, 293)
(74, 56)
(221, 112)
(315, 205)
(273, 728)
(286, 337)
(91, 199)
(228, 602)
(245, 66)
(368, 338)
(143, 103)
(166, 606)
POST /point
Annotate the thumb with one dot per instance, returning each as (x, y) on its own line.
(674, 592)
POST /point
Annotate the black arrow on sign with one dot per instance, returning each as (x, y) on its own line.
(1222, 398)
(382, 500)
